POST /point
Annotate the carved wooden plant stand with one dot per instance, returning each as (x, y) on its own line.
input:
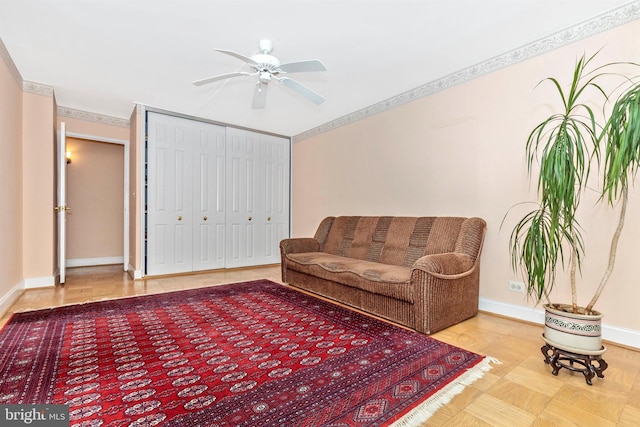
(559, 358)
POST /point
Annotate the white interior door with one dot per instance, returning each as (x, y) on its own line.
(242, 223)
(208, 196)
(169, 196)
(257, 197)
(275, 194)
(62, 208)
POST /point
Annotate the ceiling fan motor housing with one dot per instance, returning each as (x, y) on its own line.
(265, 46)
(266, 62)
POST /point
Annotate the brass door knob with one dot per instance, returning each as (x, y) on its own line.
(205, 218)
(268, 218)
(180, 218)
(250, 218)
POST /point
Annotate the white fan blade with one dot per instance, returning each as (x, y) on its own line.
(221, 77)
(259, 96)
(302, 90)
(303, 66)
(239, 56)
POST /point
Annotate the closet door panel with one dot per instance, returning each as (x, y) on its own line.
(258, 195)
(276, 167)
(209, 204)
(169, 210)
(244, 246)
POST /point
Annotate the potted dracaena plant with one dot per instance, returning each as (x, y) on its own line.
(567, 146)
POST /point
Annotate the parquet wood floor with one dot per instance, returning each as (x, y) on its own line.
(521, 391)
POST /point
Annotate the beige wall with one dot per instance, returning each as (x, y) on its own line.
(38, 190)
(94, 129)
(95, 193)
(461, 152)
(11, 187)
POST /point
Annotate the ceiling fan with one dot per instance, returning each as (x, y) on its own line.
(268, 67)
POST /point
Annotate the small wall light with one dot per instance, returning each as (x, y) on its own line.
(68, 154)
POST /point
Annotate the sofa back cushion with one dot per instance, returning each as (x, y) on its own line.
(390, 240)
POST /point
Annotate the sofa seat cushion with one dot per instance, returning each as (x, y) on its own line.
(383, 279)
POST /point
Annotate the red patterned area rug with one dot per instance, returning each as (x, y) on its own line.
(246, 354)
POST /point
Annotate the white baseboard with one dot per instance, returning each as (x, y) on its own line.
(11, 297)
(135, 274)
(39, 282)
(614, 334)
(88, 262)
(520, 312)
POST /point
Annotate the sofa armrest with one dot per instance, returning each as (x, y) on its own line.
(299, 245)
(446, 266)
(293, 246)
(446, 290)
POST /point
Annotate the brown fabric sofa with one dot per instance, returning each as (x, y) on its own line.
(421, 272)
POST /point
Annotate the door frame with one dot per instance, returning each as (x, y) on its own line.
(125, 143)
(61, 201)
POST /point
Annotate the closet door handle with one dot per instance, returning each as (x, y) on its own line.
(205, 218)
(268, 218)
(180, 218)
(250, 218)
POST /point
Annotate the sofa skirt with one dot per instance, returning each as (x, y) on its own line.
(392, 309)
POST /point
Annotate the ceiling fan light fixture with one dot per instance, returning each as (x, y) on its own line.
(265, 77)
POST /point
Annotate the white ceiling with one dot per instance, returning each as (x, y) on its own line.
(103, 56)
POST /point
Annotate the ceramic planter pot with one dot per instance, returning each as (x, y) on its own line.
(572, 331)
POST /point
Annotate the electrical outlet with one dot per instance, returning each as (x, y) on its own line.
(514, 286)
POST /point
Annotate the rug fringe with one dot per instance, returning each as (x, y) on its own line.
(425, 410)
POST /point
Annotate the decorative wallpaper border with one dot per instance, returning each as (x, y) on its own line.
(92, 117)
(27, 86)
(37, 88)
(4, 54)
(603, 22)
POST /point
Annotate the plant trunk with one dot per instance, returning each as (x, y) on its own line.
(574, 291)
(612, 250)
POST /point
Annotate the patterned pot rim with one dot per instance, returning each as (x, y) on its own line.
(567, 310)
